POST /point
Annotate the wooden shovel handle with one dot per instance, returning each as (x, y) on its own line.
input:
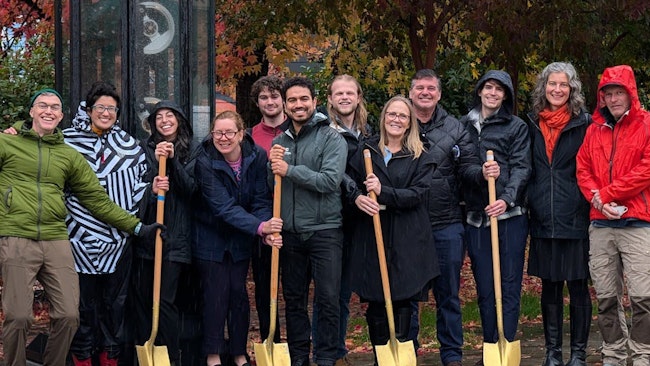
(275, 258)
(157, 262)
(496, 258)
(381, 254)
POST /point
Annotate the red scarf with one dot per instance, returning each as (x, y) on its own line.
(552, 123)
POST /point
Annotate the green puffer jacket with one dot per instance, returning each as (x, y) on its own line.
(33, 174)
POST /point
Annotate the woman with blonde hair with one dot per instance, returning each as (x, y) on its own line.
(401, 179)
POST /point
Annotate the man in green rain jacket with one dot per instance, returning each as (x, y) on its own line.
(37, 169)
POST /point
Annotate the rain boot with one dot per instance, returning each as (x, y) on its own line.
(403, 317)
(377, 329)
(84, 362)
(552, 318)
(580, 325)
(105, 361)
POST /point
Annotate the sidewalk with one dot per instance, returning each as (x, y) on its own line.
(532, 350)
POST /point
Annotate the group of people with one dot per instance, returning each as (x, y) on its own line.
(79, 215)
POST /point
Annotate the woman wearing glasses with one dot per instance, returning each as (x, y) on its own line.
(235, 208)
(102, 253)
(401, 179)
(171, 136)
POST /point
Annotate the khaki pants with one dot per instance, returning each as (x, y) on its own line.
(615, 252)
(23, 261)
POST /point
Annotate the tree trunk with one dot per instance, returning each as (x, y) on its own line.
(246, 107)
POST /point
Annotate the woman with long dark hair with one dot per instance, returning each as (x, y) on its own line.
(171, 136)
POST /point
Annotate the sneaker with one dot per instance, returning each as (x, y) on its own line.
(454, 363)
(345, 361)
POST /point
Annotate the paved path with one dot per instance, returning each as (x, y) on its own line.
(532, 350)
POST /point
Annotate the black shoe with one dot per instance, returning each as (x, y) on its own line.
(300, 362)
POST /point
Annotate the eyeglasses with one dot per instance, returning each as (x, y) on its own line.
(555, 84)
(44, 106)
(400, 116)
(102, 108)
(219, 134)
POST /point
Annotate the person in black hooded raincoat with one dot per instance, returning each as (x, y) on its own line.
(171, 136)
(492, 126)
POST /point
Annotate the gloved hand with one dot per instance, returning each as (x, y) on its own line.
(148, 231)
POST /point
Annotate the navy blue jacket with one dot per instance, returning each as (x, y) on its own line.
(229, 212)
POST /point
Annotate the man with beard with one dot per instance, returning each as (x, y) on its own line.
(310, 156)
(456, 161)
(266, 94)
(348, 114)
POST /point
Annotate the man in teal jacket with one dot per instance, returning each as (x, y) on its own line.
(35, 167)
(310, 156)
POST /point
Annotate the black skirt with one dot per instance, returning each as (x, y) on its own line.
(559, 259)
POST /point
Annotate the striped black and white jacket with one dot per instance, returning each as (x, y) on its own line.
(119, 162)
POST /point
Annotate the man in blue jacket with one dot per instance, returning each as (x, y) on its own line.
(310, 156)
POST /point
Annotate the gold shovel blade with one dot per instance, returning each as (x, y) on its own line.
(508, 355)
(404, 355)
(150, 355)
(277, 356)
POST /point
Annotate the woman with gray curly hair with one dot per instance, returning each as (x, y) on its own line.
(559, 214)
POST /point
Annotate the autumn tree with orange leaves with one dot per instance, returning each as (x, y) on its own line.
(26, 55)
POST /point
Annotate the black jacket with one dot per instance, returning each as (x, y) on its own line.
(410, 250)
(557, 208)
(507, 136)
(178, 207)
(456, 162)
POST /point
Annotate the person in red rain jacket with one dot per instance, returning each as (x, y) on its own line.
(613, 171)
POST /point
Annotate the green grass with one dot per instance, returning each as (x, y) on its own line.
(530, 309)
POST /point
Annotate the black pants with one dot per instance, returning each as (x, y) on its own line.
(102, 304)
(261, 265)
(304, 257)
(225, 300)
(168, 325)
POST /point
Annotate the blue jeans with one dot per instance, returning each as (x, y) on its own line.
(344, 305)
(304, 257)
(450, 247)
(512, 244)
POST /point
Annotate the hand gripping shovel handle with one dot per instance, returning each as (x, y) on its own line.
(381, 254)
